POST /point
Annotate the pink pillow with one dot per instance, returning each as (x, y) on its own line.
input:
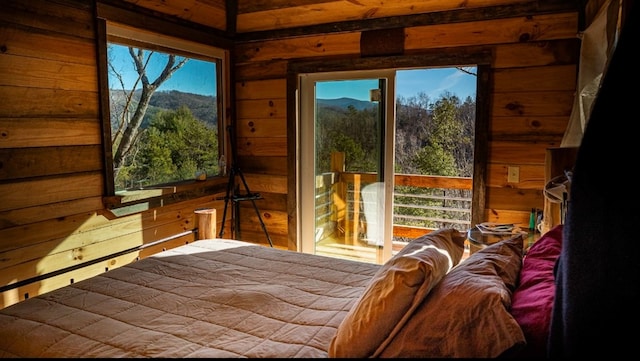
(533, 298)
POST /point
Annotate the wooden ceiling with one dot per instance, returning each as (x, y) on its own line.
(249, 20)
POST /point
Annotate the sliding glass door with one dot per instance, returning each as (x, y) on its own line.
(346, 164)
(384, 156)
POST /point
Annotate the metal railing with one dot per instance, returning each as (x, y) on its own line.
(421, 203)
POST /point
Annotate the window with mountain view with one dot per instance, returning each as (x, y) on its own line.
(393, 156)
(164, 102)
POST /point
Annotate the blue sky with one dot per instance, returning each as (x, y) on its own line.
(409, 83)
(198, 76)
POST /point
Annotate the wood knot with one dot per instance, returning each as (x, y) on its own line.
(76, 254)
(515, 107)
(524, 37)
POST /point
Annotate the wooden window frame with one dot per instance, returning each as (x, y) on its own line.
(173, 36)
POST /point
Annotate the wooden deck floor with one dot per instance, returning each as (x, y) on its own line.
(332, 247)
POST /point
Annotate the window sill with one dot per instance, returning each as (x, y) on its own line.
(140, 200)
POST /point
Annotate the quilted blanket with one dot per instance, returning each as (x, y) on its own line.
(209, 298)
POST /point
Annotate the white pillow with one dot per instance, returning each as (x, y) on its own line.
(395, 291)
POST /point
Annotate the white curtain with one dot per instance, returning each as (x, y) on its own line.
(598, 41)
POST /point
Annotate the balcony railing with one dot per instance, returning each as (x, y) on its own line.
(421, 204)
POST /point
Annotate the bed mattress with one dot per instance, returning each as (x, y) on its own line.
(209, 298)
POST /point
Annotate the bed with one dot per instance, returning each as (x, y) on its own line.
(228, 298)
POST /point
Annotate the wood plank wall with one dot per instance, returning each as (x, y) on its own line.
(52, 213)
(533, 77)
(51, 170)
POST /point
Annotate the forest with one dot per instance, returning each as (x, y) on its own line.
(432, 137)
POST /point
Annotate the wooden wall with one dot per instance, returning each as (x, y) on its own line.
(52, 213)
(51, 156)
(533, 78)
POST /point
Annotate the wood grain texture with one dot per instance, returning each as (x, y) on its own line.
(516, 152)
(499, 31)
(548, 103)
(55, 211)
(528, 128)
(46, 132)
(27, 44)
(60, 17)
(260, 89)
(303, 47)
(537, 53)
(542, 78)
(36, 162)
(262, 128)
(514, 199)
(43, 191)
(302, 13)
(529, 176)
(205, 12)
(27, 102)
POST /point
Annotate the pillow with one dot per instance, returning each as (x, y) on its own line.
(395, 291)
(467, 313)
(533, 298)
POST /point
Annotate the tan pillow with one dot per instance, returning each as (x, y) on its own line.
(467, 313)
(395, 291)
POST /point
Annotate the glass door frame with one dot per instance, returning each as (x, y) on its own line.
(482, 59)
(305, 153)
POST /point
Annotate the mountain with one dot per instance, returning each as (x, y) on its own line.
(203, 107)
(344, 103)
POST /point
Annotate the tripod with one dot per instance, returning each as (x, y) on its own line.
(233, 193)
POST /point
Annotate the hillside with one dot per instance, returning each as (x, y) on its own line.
(203, 107)
(344, 103)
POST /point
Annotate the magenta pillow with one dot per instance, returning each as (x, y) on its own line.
(533, 298)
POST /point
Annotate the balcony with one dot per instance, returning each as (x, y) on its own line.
(421, 204)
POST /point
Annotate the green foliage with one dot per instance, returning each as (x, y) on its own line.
(173, 147)
(432, 138)
(433, 159)
(203, 107)
(350, 131)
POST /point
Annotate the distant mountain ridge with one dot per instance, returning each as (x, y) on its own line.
(205, 107)
(344, 103)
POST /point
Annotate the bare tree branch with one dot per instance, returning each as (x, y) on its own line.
(130, 133)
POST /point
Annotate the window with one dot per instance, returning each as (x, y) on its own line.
(165, 114)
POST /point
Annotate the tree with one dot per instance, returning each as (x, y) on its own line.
(128, 130)
(174, 147)
(412, 118)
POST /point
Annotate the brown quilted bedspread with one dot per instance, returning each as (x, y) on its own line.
(210, 298)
